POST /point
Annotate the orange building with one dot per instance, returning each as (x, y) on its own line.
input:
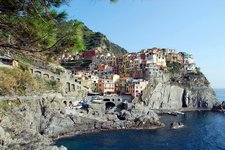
(100, 86)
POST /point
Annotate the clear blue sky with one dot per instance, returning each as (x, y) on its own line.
(194, 26)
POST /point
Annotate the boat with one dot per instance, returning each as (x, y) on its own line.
(172, 113)
(175, 113)
(99, 101)
(179, 112)
(77, 107)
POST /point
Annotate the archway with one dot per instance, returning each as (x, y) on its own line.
(67, 86)
(73, 87)
(37, 73)
(46, 76)
(109, 105)
(65, 103)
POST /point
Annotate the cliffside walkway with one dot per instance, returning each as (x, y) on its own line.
(69, 85)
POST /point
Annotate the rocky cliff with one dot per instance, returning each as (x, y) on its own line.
(28, 123)
(178, 92)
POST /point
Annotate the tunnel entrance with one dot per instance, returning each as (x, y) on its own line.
(184, 98)
(109, 105)
(65, 103)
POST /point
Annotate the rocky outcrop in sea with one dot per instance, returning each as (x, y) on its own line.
(178, 92)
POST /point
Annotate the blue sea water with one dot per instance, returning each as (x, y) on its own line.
(202, 131)
(220, 94)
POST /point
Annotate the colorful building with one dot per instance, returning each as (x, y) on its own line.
(136, 87)
(94, 81)
(89, 54)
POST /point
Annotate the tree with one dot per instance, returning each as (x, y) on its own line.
(174, 67)
(114, 1)
(34, 25)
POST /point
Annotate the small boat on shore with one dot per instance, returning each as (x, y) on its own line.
(172, 113)
(175, 113)
(179, 112)
(99, 101)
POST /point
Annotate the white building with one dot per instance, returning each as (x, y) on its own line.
(156, 58)
(109, 86)
(94, 81)
(139, 86)
(189, 63)
(153, 71)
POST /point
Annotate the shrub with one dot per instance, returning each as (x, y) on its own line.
(7, 104)
(174, 67)
(53, 85)
(23, 58)
(14, 81)
(23, 67)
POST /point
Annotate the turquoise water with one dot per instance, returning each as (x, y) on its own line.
(202, 131)
(220, 94)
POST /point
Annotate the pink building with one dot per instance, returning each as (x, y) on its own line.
(89, 54)
(100, 86)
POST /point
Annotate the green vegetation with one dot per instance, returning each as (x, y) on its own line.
(16, 81)
(52, 84)
(23, 58)
(7, 104)
(174, 67)
(198, 75)
(36, 26)
(97, 39)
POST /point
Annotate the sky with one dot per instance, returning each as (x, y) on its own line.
(193, 26)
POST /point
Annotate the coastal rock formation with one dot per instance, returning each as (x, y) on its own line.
(22, 122)
(219, 107)
(33, 123)
(178, 92)
(176, 125)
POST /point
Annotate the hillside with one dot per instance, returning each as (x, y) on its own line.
(98, 40)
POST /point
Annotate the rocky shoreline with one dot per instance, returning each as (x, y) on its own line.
(35, 122)
(101, 130)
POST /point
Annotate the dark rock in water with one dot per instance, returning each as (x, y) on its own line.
(176, 125)
(219, 107)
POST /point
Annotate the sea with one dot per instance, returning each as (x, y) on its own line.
(202, 131)
(220, 93)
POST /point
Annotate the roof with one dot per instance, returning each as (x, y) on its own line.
(124, 78)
